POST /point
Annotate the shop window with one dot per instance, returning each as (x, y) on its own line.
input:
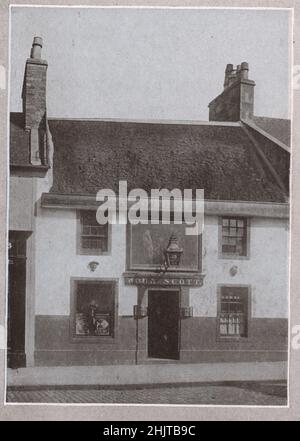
(93, 309)
(234, 237)
(233, 311)
(93, 238)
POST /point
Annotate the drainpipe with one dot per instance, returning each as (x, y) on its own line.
(136, 339)
(139, 313)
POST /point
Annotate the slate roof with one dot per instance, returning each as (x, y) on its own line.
(92, 154)
(279, 128)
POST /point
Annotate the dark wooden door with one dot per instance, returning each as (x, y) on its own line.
(16, 300)
(163, 324)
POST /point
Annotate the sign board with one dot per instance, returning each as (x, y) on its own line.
(164, 280)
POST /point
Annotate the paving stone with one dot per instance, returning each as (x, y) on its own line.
(246, 394)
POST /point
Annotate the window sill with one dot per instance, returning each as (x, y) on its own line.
(93, 340)
(231, 339)
(233, 257)
(93, 253)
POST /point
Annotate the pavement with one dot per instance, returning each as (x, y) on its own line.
(145, 375)
(246, 394)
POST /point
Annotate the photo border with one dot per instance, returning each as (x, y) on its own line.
(114, 412)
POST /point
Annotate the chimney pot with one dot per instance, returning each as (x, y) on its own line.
(229, 68)
(232, 78)
(36, 50)
(228, 71)
(244, 70)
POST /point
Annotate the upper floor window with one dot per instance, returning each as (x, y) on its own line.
(93, 237)
(234, 236)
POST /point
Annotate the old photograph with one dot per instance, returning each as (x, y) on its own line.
(148, 229)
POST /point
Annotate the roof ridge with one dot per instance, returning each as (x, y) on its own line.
(151, 121)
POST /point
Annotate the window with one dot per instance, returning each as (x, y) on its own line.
(234, 236)
(94, 306)
(233, 311)
(93, 237)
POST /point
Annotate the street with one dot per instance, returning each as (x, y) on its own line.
(238, 393)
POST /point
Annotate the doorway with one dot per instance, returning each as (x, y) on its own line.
(163, 324)
(16, 357)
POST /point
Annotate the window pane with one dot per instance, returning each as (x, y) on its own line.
(240, 232)
(85, 229)
(228, 249)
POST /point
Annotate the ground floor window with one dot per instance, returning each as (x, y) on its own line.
(233, 311)
(93, 309)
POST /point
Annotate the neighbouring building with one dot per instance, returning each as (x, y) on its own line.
(85, 294)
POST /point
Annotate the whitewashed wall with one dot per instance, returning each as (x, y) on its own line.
(57, 261)
(21, 200)
(266, 270)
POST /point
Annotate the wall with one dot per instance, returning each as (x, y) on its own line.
(236, 102)
(58, 263)
(22, 200)
(266, 270)
(266, 274)
(21, 203)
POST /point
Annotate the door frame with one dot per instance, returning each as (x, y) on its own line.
(167, 289)
(28, 314)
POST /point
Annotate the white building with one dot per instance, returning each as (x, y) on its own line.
(84, 294)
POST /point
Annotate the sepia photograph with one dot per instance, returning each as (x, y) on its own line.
(149, 206)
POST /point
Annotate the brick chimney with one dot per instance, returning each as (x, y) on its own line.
(34, 102)
(236, 102)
